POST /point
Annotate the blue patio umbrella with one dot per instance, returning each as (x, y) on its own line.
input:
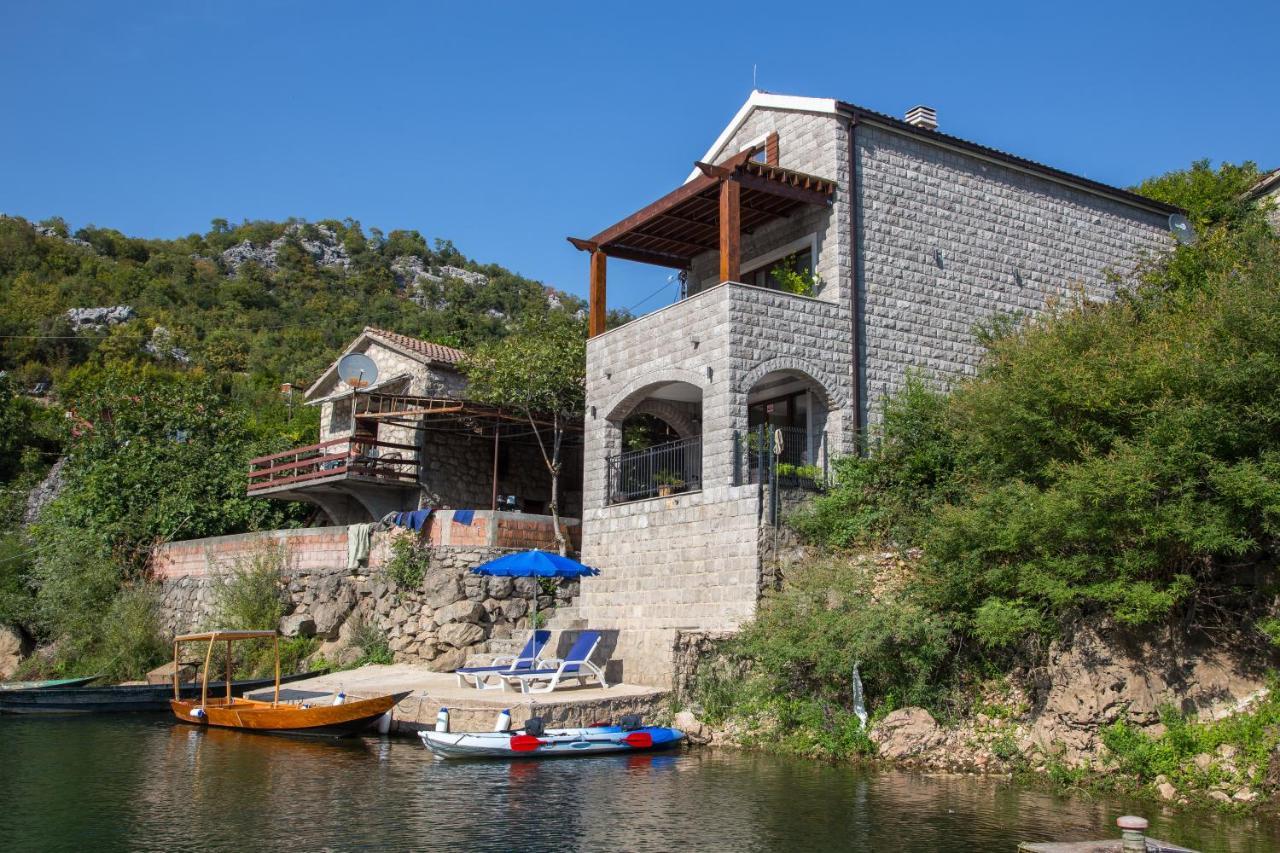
(534, 564)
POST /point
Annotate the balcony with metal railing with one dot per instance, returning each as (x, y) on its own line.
(659, 471)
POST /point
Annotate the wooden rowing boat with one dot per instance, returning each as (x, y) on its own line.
(338, 719)
(47, 684)
(118, 699)
(349, 718)
(552, 743)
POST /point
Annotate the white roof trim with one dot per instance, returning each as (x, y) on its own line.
(350, 392)
(767, 100)
(363, 336)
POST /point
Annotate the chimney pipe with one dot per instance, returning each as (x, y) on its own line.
(923, 117)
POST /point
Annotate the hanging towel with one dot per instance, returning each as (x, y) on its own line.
(415, 520)
(358, 536)
(463, 516)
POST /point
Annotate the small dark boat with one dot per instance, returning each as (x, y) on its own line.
(117, 699)
(47, 683)
(339, 719)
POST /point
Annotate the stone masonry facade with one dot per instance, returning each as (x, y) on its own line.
(941, 240)
(948, 241)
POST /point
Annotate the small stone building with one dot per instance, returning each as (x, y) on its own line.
(407, 437)
(825, 250)
(1267, 191)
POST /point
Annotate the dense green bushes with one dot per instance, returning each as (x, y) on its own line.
(1121, 459)
(1118, 460)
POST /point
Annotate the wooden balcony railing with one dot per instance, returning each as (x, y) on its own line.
(365, 458)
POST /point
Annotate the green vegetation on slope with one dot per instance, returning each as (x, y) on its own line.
(158, 416)
(1119, 461)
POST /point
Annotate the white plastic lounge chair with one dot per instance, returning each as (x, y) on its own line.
(551, 671)
(526, 661)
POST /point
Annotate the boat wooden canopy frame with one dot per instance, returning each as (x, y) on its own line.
(228, 637)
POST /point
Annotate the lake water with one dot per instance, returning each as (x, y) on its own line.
(145, 783)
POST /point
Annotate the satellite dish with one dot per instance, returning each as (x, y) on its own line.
(357, 370)
(1181, 228)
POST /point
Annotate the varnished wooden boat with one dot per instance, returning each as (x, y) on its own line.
(274, 717)
(323, 720)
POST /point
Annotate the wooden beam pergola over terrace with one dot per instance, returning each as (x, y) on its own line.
(708, 213)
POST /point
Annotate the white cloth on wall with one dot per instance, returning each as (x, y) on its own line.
(358, 537)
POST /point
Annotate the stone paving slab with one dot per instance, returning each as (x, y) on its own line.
(476, 710)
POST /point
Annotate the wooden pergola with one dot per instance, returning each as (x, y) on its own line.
(708, 213)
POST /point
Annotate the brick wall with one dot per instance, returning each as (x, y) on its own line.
(312, 548)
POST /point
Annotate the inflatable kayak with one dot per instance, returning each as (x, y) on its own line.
(551, 743)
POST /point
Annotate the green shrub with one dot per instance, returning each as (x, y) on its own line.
(370, 640)
(806, 639)
(250, 595)
(1117, 458)
(408, 564)
(130, 639)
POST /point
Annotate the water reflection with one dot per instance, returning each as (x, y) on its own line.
(143, 783)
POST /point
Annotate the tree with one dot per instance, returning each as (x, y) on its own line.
(539, 371)
(1209, 197)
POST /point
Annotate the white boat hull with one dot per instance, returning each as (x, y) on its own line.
(553, 743)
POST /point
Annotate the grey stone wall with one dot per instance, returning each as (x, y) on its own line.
(948, 240)
(457, 471)
(450, 617)
(817, 145)
(692, 560)
(686, 561)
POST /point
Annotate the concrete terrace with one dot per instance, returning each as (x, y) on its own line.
(471, 709)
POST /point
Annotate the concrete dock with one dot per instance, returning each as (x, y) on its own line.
(471, 709)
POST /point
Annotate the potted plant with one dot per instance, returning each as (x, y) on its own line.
(667, 482)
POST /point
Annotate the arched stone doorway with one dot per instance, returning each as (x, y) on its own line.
(655, 442)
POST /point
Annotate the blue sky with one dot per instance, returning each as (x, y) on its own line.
(506, 127)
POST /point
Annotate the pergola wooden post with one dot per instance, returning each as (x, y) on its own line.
(707, 213)
(730, 230)
(597, 310)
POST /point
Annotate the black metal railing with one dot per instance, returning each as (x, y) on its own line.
(657, 471)
(790, 456)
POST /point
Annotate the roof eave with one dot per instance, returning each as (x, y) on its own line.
(1003, 158)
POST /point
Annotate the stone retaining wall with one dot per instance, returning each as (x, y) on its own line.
(450, 616)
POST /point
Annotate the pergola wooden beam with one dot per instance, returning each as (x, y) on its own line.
(726, 199)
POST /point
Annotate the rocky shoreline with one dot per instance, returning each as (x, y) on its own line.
(1151, 716)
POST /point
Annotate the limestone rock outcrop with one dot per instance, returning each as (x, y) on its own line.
(97, 319)
(1100, 674)
(906, 733)
(319, 241)
(14, 648)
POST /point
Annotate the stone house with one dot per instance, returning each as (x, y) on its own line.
(1267, 191)
(407, 437)
(826, 250)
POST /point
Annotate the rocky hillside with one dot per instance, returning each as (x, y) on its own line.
(268, 298)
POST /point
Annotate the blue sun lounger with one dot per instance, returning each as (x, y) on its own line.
(478, 676)
(551, 671)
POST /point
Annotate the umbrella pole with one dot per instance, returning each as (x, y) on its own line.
(533, 620)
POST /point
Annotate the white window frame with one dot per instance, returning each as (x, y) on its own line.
(809, 241)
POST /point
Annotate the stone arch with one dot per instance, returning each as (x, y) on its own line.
(638, 389)
(673, 416)
(818, 378)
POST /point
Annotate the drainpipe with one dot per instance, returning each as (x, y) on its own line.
(855, 311)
